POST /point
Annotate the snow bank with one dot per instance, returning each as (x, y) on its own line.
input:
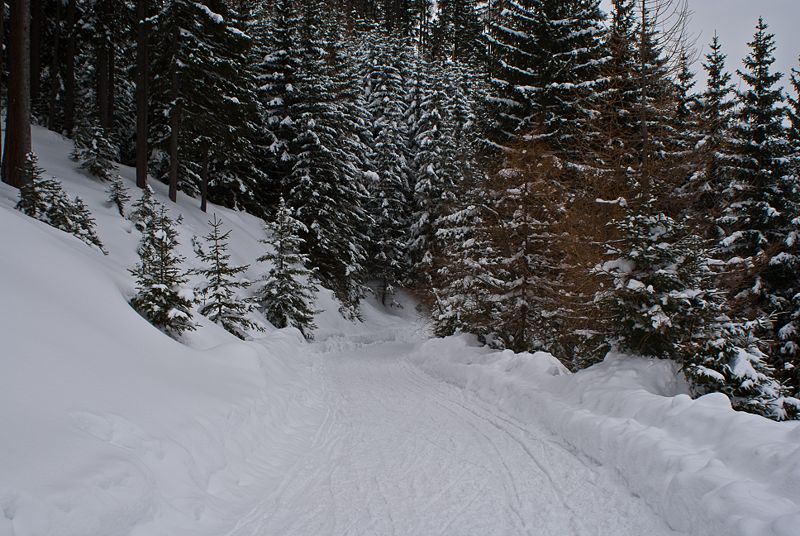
(706, 469)
(109, 427)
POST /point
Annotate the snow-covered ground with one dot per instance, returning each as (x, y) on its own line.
(108, 427)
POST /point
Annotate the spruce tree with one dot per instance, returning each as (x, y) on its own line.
(217, 294)
(325, 187)
(657, 292)
(118, 195)
(761, 206)
(144, 210)
(203, 94)
(715, 123)
(45, 200)
(289, 288)
(93, 150)
(161, 293)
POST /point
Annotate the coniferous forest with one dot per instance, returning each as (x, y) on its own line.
(539, 173)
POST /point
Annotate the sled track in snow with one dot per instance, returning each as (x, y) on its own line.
(399, 453)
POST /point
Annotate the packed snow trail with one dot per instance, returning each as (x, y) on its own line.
(400, 453)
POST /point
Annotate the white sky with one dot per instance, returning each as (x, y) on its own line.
(735, 21)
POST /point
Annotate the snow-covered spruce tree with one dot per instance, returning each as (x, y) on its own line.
(325, 186)
(203, 96)
(729, 359)
(545, 61)
(45, 200)
(386, 100)
(434, 184)
(145, 210)
(289, 289)
(761, 207)
(528, 200)
(94, 151)
(162, 296)
(464, 281)
(277, 58)
(715, 121)
(656, 296)
(118, 195)
(218, 291)
(794, 116)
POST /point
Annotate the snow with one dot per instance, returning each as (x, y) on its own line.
(109, 427)
(704, 468)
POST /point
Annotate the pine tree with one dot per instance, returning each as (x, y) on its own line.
(277, 57)
(289, 288)
(325, 186)
(45, 200)
(387, 102)
(657, 295)
(715, 122)
(464, 281)
(528, 201)
(217, 294)
(118, 195)
(95, 153)
(161, 293)
(761, 206)
(203, 94)
(145, 210)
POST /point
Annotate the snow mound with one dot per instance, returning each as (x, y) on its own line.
(705, 468)
(109, 427)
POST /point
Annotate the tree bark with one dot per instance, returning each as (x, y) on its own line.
(174, 124)
(36, 49)
(2, 55)
(18, 120)
(69, 69)
(105, 64)
(204, 182)
(142, 65)
(54, 72)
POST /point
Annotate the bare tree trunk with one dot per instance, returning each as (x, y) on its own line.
(36, 49)
(18, 120)
(54, 72)
(142, 61)
(69, 69)
(645, 154)
(174, 124)
(204, 182)
(2, 55)
(104, 59)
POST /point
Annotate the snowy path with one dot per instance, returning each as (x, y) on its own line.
(400, 453)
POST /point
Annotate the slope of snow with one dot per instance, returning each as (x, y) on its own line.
(703, 467)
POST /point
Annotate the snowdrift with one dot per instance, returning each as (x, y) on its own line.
(109, 427)
(705, 468)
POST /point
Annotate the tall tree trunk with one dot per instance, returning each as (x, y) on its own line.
(645, 155)
(174, 124)
(18, 120)
(105, 64)
(2, 55)
(36, 49)
(101, 71)
(142, 61)
(54, 72)
(204, 182)
(69, 69)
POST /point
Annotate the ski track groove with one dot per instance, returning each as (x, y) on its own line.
(399, 453)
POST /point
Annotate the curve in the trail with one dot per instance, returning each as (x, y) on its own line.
(402, 454)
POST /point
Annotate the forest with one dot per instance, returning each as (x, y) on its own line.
(539, 173)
